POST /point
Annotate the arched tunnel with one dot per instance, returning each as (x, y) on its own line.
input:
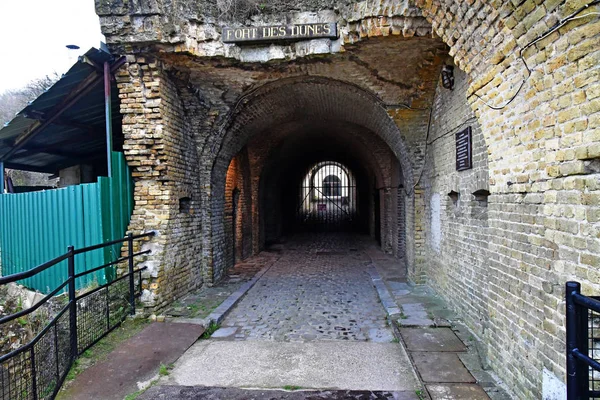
(309, 155)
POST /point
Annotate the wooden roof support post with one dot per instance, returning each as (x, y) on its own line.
(108, 112)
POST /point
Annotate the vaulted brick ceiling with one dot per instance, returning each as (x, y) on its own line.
(396, 69)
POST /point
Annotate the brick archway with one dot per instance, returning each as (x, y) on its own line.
(301, 99)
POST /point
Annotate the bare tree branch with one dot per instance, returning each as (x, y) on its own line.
(13, 101)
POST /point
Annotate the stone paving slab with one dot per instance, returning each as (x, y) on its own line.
(441, 367)
(423, 307)
(333, 364)
(456, 391)
(431, 339)
(415, 315)
(191, 392)
(136, 360)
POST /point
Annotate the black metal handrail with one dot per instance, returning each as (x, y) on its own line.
(19, 373)
(579, 362)
(34, 271)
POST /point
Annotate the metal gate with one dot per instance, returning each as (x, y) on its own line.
(583, 343)
(327, 198)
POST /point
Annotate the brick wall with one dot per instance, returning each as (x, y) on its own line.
(159, 147)
(457, 243)
(542, 151)
(237, 184)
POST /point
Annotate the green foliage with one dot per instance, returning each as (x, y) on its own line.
(74, 371)
(291, 387)
(209, 330)
(48, 390)
(163, 370)
(135, 395)
(194, 308)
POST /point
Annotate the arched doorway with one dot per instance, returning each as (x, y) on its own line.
(327, 198)
(318, 151)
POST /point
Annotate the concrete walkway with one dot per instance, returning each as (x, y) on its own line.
(313, 320)
(334, 364)
(209, 393)
(320, 317)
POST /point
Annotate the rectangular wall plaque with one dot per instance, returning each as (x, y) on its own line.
(464, 150)
(280, 32)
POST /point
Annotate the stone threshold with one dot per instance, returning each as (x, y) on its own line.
(391, 308)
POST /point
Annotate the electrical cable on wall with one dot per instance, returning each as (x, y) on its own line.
(405, 106)
(412, 190)
(550, 31)
(453, 130)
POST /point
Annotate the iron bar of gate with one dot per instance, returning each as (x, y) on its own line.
(303, 201)
(579, 362)
(29, 350)
(333, 202)
(333, 188)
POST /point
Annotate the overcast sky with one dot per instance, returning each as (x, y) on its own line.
(34, 33)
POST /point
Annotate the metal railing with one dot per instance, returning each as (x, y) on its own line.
(38, 369)
(583, 344)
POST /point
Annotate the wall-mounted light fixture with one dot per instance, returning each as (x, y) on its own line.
(448, 77)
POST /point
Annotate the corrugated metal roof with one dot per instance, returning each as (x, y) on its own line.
(78, 134)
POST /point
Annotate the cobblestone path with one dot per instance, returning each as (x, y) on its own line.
(317, 290)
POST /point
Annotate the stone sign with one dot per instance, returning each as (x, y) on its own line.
(464, 152)
(280, 33)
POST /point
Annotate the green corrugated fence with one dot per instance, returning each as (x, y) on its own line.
(38, 226)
